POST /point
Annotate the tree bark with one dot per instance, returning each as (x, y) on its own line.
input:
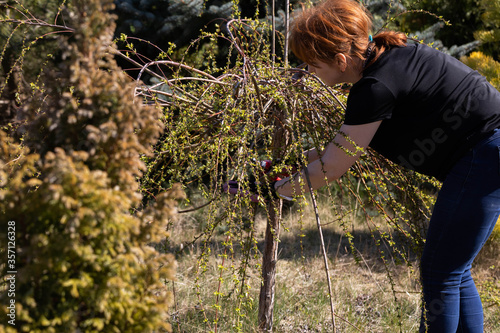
(269, 260)
(270, 257)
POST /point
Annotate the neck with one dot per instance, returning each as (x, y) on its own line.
(354, 71)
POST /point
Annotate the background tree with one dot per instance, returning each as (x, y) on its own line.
(82, 258)
(463, 15)
(489, 35)
(486, 65)
(468, 20)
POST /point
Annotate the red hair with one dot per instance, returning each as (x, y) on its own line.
(338, 26)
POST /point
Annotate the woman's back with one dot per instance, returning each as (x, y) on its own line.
(434, 107)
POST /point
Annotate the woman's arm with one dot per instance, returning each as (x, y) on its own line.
(313, 154)
(333, 162)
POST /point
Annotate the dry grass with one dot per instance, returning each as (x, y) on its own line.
(363, 297)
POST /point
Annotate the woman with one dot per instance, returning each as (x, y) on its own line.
(423, 110)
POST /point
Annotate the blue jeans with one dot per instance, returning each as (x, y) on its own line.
(464, 216)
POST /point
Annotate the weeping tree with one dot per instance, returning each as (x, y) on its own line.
(221, 123)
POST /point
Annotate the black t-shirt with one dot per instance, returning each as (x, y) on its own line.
(433, 108)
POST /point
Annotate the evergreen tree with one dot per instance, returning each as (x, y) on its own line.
(161, 21)
(490, 35)
(421, 25)
(485, 65)
(167, 22)
(82, 259)
(463, 19)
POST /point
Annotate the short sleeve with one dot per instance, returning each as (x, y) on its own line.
(369, 100)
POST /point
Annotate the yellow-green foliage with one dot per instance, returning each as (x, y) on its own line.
(82, 258)
(82, 262)
(491, 19)
(485, 65)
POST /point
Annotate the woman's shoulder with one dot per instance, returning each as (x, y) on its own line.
(418, 53)
(411, 52)
(416, 68)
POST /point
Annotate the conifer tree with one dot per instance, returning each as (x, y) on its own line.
(490, 36)
(82, 259)
(485, 65)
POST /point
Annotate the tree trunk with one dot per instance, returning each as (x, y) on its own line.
(266, 298)
(270, 257)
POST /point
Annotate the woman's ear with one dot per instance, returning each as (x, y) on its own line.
(341, 61)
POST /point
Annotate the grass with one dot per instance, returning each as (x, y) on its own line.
(363, 298)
